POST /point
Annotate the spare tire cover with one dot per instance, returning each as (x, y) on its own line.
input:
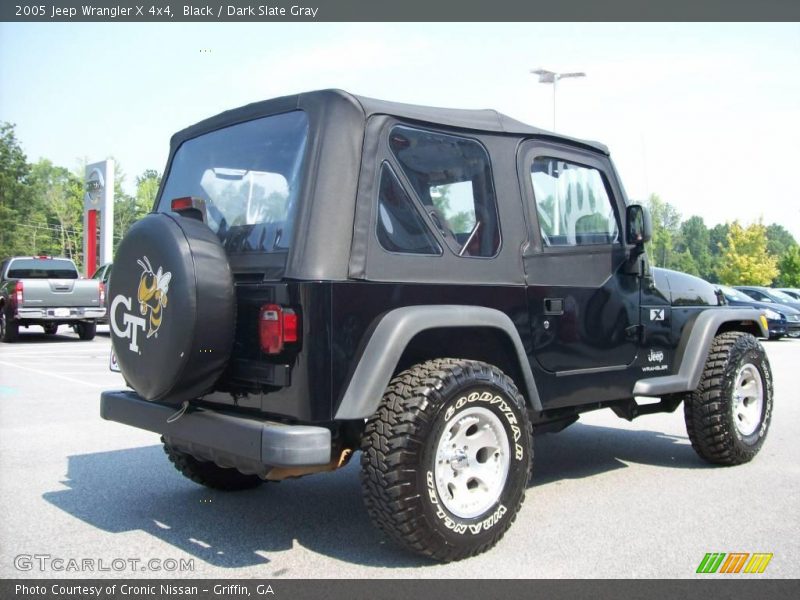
(172, 308)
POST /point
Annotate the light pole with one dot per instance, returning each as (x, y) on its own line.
(546, 76)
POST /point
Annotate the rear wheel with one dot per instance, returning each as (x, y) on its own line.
(86, 331)
(446, 458)
(209, 474)
(728, 416)
(50, 328)
(9, 328)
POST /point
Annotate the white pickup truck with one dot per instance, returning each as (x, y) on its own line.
(46, 291)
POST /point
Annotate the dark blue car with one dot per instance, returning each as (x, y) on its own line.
(782, 320)
(769, 295)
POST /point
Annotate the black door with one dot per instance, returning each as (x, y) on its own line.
(583, 303)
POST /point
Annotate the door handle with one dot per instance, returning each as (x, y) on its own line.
(554, 306)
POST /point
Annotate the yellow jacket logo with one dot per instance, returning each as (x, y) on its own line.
(151, 295)
(734, 562)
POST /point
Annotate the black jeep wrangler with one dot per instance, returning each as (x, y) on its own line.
(325, 273)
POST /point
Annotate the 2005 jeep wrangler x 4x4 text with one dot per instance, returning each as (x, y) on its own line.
(325, 273)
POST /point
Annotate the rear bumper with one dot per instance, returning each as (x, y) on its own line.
(60, 314)
(248, 444)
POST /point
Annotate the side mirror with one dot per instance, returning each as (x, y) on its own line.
(639, 226)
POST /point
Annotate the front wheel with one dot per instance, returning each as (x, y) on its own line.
(728, 416)
(446, 458)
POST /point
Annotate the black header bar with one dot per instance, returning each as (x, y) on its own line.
(397, 10)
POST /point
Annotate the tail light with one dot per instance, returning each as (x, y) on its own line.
(189, 206)
(18, 293)
(102, 293)
(277, 326)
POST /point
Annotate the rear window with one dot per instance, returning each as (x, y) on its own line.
(41, 268)
(248, 176)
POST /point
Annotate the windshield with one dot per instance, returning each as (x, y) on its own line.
(782, 296)
(42, 268)
(247, 175)
(734, 294)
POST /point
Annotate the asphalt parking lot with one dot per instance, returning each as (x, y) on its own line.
(609, 499)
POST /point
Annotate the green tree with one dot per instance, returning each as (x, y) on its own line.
(15, 203)
(684, 262)
(745, 260)
(666, 227)
(129, 209)
(125, 211)
(693, 241)
(779, 240)
(717, 243)
(146, 190)
(789, 266)
(58, 220)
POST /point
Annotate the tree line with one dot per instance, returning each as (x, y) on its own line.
(730, 253)
(41, 212)
(41, 204)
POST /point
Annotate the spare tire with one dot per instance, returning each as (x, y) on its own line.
(173, 309)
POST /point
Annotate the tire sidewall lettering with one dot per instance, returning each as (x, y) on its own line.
(501, 406)
(758, 360)
(505, 410)
(461, 528)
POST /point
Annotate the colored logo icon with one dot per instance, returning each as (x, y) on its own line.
(734, 562)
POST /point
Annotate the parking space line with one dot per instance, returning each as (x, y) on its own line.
(49, 374)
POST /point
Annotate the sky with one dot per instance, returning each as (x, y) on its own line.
(705, 115)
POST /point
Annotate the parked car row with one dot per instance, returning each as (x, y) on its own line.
(781, 309)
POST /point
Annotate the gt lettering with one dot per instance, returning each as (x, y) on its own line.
(130, 322)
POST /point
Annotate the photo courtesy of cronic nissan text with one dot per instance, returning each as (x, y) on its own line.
(296, 300)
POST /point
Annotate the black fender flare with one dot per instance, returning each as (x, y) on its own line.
(396, 329)
(693, 350)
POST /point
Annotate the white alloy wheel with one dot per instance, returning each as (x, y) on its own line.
(472, 461)
(748, 400)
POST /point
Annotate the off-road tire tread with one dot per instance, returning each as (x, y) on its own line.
(388, 470)
(706, 410)
(209, 474)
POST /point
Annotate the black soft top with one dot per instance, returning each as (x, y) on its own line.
(330, 235)
(488, 120)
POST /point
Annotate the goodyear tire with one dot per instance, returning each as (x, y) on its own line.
(728, 416)
(446, 458)
(172, 308)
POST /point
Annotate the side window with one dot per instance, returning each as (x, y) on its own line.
(452, 178)
(573, 204)
(400, 226)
